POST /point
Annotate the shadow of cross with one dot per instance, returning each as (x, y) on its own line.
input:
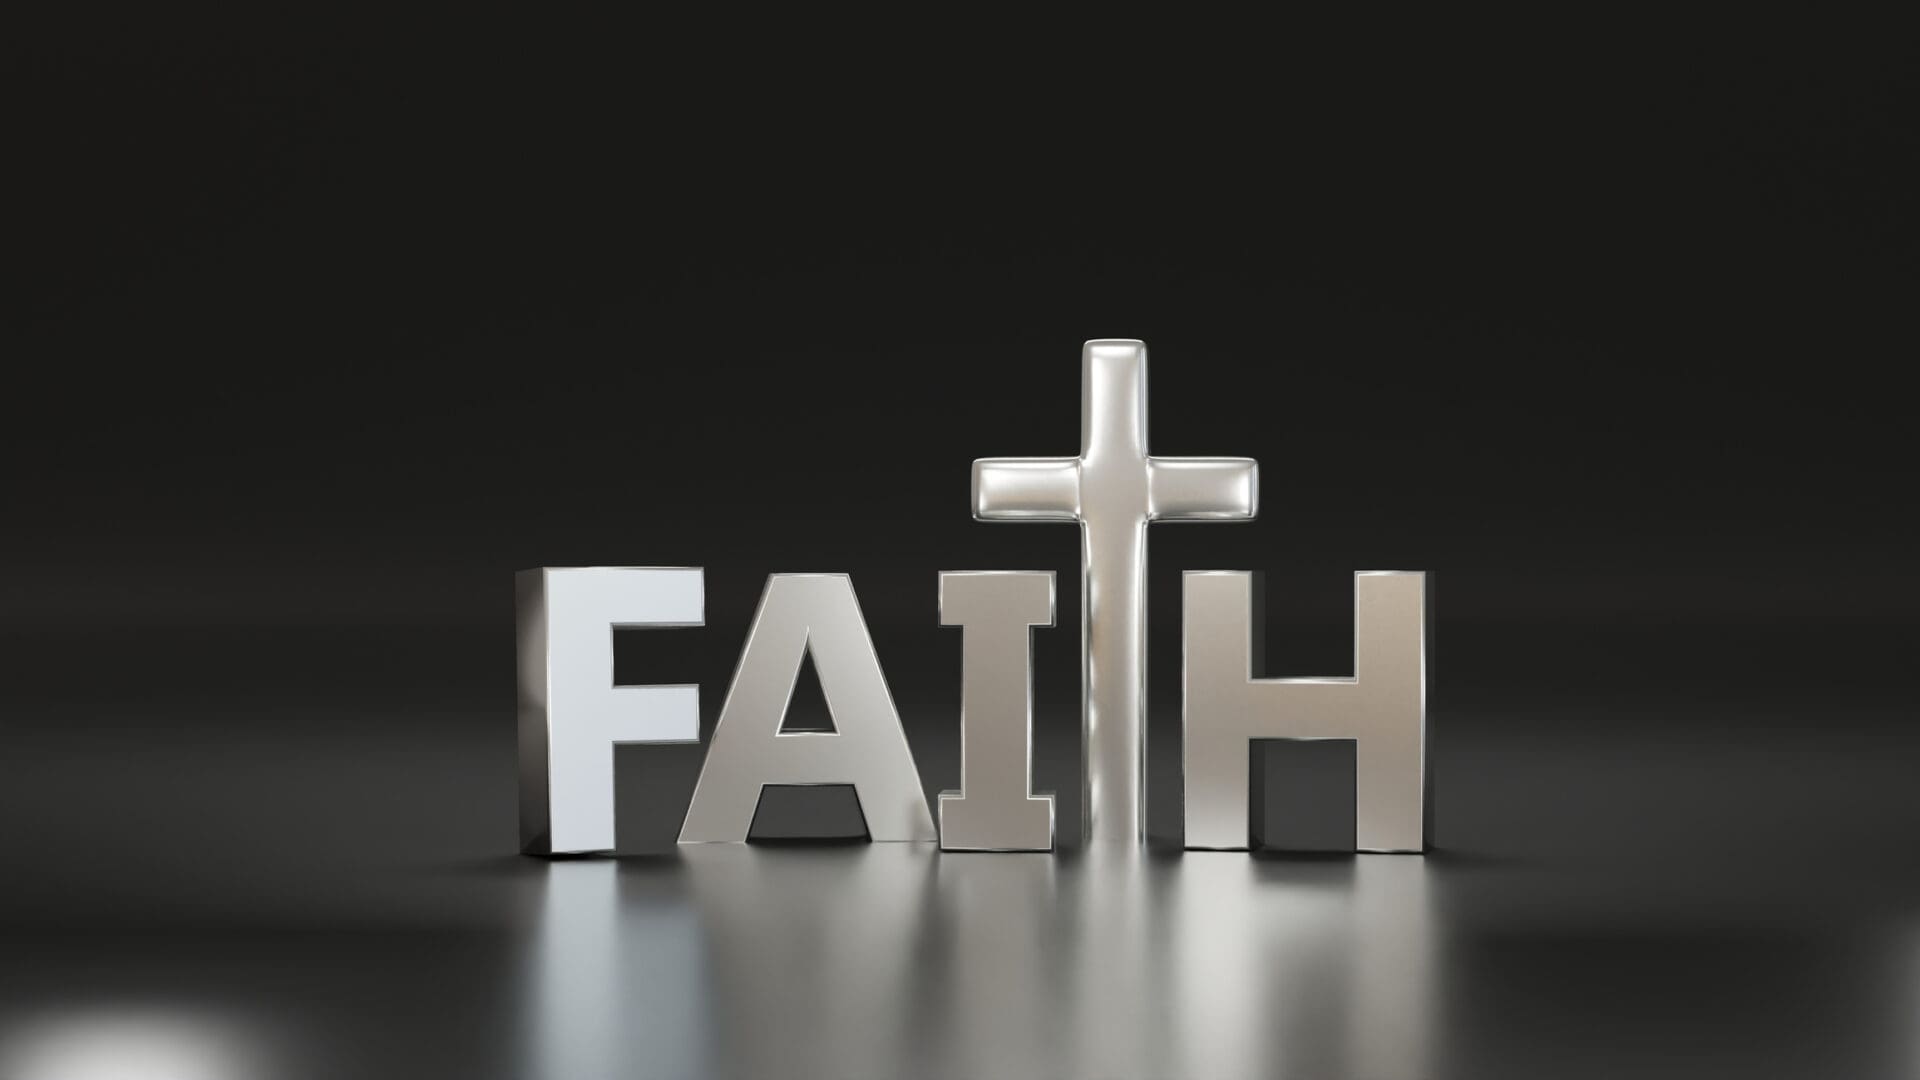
(1114, 489)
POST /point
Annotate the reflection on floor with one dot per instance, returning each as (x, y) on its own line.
(319, 894)
(891, 960)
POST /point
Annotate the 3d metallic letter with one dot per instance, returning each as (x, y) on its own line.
(1114, 489)
(995, 808)
(802, 613)
(571, 714)
(1382, 707)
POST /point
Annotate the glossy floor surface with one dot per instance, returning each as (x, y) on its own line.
(293, 892)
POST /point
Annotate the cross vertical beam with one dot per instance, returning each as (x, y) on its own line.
(1114, 489)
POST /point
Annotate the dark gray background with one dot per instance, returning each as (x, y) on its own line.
(318, 329)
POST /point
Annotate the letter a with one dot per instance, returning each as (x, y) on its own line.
(801, 614)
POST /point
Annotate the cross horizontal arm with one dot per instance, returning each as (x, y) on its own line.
(1026, 489)
(1202, 489)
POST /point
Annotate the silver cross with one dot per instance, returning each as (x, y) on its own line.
(1114, 489)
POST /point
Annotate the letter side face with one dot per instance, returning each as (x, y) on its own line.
(571, 715)
(530, 652)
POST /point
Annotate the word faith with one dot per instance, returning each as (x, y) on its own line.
(572, 715)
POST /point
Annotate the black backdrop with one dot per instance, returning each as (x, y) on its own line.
(325, 322)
